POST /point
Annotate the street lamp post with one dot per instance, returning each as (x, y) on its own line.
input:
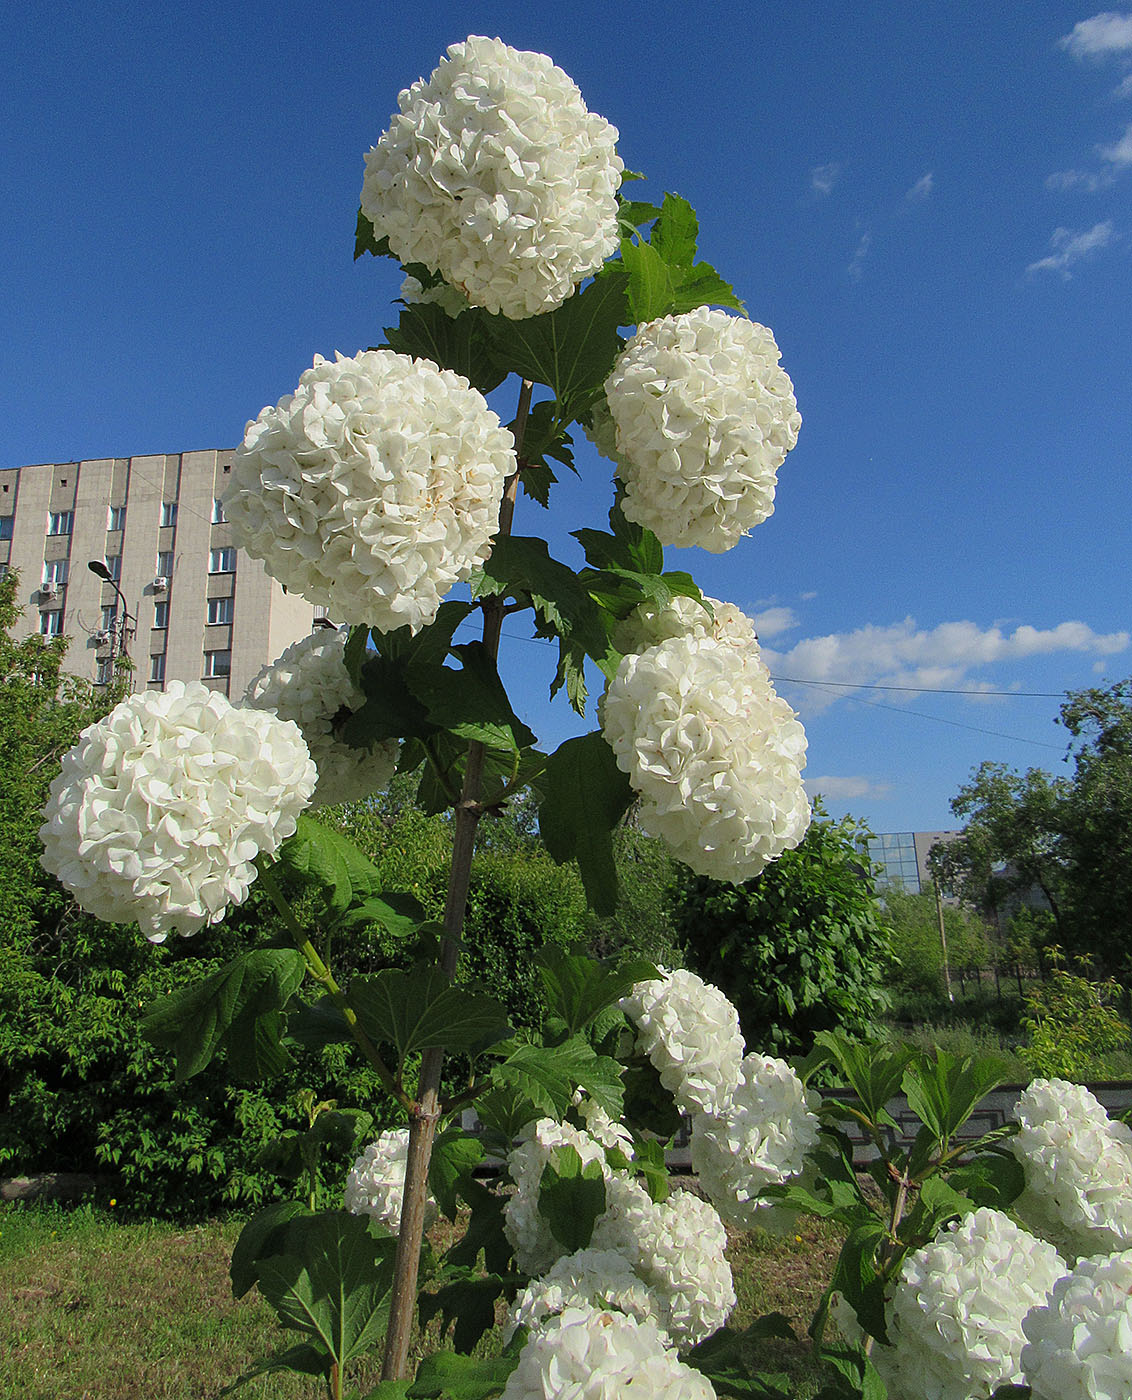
(121, 629)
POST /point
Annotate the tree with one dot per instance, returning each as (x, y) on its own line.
(918, 951)
(799, 949)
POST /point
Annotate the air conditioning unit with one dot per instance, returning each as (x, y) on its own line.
(102, 638)
(47, 589)
(160, 583)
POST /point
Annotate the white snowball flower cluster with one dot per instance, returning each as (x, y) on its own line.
(495, 175)
(1079, 1345)
(590, 1354)
(373, 488)
(162, 807)
(528, 1232)
(758, 1139)
(597, 1278)
(649, 625)
(690, 1032)
(1078, 1166)
(309, 684)
(703, 417)
(375, 1185)
(714, 753)
(677, 1248)
(955, 1316)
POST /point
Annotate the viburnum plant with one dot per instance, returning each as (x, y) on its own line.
(374, 489)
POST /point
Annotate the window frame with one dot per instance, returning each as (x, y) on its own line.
(222, 554)
(168, 515)
(56, 520)
(211, 673)
(157, 666)
(47, 629)
(221, 605)
(115, 518)
(161, 614)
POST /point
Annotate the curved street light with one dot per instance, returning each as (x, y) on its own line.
(99, 569)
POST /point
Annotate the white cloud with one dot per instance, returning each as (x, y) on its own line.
(843, 788)
(939, 657)
(1089, 180)
(921, 189)
(824, 177)
(772, 622)
(808, 597)
(857, 261)
(1107, 35)
(1120, 153)
(1070, 247)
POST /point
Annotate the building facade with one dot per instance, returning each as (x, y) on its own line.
(903, 858)
(196, 608)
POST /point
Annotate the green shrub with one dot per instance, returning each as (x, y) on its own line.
(1074, 1030)
(916, 944)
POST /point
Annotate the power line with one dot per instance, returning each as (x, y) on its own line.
(926, 689)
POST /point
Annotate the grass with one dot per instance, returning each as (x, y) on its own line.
(95, 1308)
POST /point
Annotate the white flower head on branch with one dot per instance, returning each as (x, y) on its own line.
(162, 807)
(1079, 1345)
(595, 1278)
(1078, 1166)
(703, 416)
(593, 1354)
(309, 684)
(494, 174)
(649, 625)
(955, 1315)
(690, 1032)
(376, 1183)
(759, 1138)
(715, 755)
(677, 1247)
(373, 488)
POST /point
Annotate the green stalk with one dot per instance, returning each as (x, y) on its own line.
(425, 1113)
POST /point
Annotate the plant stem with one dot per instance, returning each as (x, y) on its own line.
(425, 1113)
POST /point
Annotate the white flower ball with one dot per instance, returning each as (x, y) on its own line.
(704, 416)
(373, 488)
(162, 807)
(714, 753)
(587, 1354)
(1078, 1166)
(495, 175)
(759, 1138)
(376, 1183)
(309, 684)
(528, 1232)
(955, 1317)
(677, 1248)
(1079, 1345)
(690, 1032)
(594, 1278)
(649, 625)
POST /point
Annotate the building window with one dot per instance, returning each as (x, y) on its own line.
(109, 617)
(157, 667)
(161, 614)
(5, 526)
(217, 663)
(219, 611)
(114, 566)
(59, 522)
(168, 514)
(116, 518)
(51, 623)
(165, 563)
(103, 671)
(222, 561)
(55, 571)
(218, 516)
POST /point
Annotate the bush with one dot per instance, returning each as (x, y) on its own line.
(799, 949)
(1074, 1030)
(916, 946)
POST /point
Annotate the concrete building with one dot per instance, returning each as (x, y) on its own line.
(903, 857)
(196, 607)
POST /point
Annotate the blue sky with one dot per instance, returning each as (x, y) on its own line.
(931, 206)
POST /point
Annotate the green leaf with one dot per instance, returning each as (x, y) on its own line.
(460, 343)
(355, 652)
(651, 287)
(320, 855)
(262, 1236)
(571, 1197)
(318, 1025)
(632, 214)
(648, 1160)
(578, 988)
(994, 1179)
(485, 1231)
(856, 1275)
(570, 349)
(649, 1104)
(873, 1072)
(727, 1359)
(367, 241)
(548, 1076)
(333, 1282)
(703, 286)
(520, 566)
(545, 436)
(469, 1302)
(585, 795)
(254, 1046)
(676, 231)
(420, 1009)
(940, 1202)
(455, 1156)
(943, 1091)
(305, 1359)
(194, 1021)
(626, 546)
(472, 702)
(448, 1376)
